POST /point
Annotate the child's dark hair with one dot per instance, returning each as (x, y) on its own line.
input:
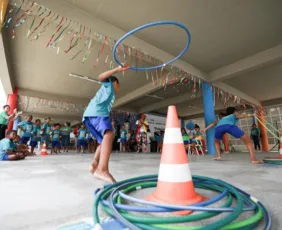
(11, 131)
(230, 110)
(47, 118)
(113, 79)
(5, 106)
(37, 120)
(196, 126)
(68, 123)
(57, 124)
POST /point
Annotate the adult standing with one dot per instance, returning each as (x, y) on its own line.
(5, 118)
(141, 133)
(255, 135)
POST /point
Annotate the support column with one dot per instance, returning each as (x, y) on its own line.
(209, 115)
(263, 133)
(12, 101)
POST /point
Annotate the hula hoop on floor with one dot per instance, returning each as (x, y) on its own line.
(150, 25)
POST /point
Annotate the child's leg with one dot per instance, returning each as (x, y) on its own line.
(96, 159)
(250, 148)
(217, 149)
(102, 171)
(138, 137)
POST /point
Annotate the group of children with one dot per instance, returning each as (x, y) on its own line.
(192, 138)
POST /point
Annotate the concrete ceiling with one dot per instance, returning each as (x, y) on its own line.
(223, 33)
(262, 83)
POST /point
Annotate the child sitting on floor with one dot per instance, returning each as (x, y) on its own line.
(8, 149)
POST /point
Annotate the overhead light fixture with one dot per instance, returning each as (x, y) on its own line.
(154, 96)
(84, 78)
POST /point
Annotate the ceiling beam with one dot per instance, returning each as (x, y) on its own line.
(170, 101)
(258, 60)
(237, 93)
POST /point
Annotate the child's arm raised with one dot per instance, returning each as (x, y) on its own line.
(107, 74)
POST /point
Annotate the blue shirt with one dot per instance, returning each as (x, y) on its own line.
(101, 104)
(56, 133)
(123, 134)
(27, 128)
(36, 133)
(6, 145)
(82, 134)
(46, 129)
(228, 120)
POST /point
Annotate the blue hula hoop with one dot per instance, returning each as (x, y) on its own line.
(150, 25)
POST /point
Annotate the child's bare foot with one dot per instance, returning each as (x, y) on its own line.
(257, 162)
(217, 159)
(93, 167)
(105, 176)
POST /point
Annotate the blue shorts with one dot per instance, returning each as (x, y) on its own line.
(56, 144)
(98, 126)
(233, 130)
(33, 143)
(4, 157)
(122, 140)
(80, 142)
(66, 141)
(24, 140)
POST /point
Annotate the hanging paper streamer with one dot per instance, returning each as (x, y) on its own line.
(100, 51)
(40, 23)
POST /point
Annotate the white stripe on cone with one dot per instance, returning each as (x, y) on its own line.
(173, 136)
(280, 151)
(174, 173)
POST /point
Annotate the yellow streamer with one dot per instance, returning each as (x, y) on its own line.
(267, 128)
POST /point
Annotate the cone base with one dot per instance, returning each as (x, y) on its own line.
(44, 154)
(196, 199)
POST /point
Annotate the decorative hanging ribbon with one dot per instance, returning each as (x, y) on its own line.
(32, 23)
(21, 20)
(88, 50)
(85, 44)
(40, 23)
(77, 35)
(101, 51)
(54, 42)
(58, 29)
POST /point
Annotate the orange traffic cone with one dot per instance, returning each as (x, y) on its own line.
(44, 150)
(175, 185)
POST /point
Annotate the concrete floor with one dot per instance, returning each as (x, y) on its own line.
(41, 193)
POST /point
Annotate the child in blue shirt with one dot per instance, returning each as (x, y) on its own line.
(81, 138)
(27, 128)
(123, 134)
(8, 149)
(35, 138)
(227, 124)
(97, 120)
(56, 136)
(45, 131)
